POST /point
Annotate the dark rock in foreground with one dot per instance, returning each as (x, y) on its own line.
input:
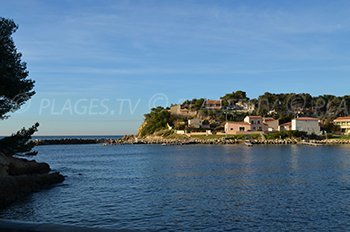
(20, 176)
(18, 226)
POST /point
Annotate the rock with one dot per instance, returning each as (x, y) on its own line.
(23, 167)
(20, 176)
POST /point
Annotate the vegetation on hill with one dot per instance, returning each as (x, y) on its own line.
(234, 98)
(291, 105)
(236, 105)
(156, 120)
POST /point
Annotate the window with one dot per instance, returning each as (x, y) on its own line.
(241, 129)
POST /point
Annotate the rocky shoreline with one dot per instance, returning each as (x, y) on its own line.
(130, 139)
(19, 177)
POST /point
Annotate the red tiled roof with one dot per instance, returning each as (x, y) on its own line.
(269, 119)
(342, 119)
(307, 119)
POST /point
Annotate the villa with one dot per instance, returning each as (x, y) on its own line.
(213, 104)
(237, 127)
(344, 124)
(307, 124)
(256, 122)
(250, 124)
(259, 124)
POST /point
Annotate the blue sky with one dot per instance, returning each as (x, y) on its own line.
(100, 65)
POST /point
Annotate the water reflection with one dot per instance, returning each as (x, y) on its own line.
(194, 188)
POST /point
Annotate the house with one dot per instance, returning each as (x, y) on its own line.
(195, 123)
(213, 104)
(285, 127)
(307, 124)
(271, 123)
(250, 124)
(178, 110)
(256, 122)
(237, 127)
(344, 124)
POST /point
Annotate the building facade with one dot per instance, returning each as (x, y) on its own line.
(344, 124)
(307, 124)
(256, 123)
(285, 127)
(271, 123)
(234, 128)
(213, 104)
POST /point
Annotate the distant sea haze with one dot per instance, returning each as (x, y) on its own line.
(55, 137)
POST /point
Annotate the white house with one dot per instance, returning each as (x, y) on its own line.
(307, 124)
(344, 124)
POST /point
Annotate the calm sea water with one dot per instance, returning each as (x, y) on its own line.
(199, 187)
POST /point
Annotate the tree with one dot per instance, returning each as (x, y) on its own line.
(15, 87)
(234, 97)
(155, 121)
(15, 90)
(19, 143)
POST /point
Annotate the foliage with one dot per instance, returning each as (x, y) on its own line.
(15, 88)
(282, 106)
(291, 105)
(156, 120)
(234, 97)
(194, 104)
(19, 143)
(286, 134)
(341, 137)
(243, 136)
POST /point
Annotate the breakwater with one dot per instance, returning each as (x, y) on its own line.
(130, 139)
(185, 141)
(64, 141)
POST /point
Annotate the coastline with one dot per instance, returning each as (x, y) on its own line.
(132, 140)
(222, 141)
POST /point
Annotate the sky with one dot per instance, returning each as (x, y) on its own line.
(100, 65)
